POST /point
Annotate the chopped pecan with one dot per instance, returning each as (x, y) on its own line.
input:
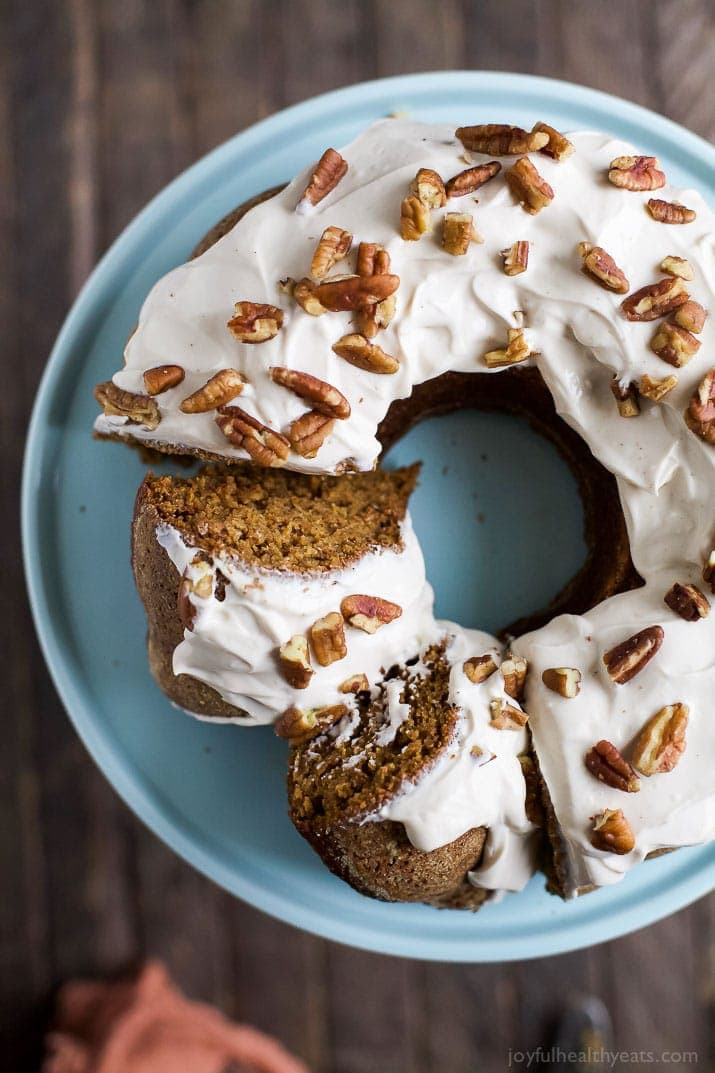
(677, 266)
(558, 146)
(517, 350)
(295, 662)
(606, 763)
(612, 832)
(372, 259)
(369, 613)
(626, 396)
(709, 571)
(327, 637)
(356, 683)
(300, 725)
(670, 212)
(513, 671)
(217, 391)
(355, 292)
(499, 139)
(458, 233)
(415, 218)
(329, 170)
(566, 681)
(197, 580)
(656, 390)
(469, 180)
(304, 294)
(691, 316)
(427, 185)
(636, 173)
(516, 258)
(334, 244)
(528, 187)
(162, 378)
(656, 300)
(265, 446)
(479, 668)
(255, 322)
(308, 433)
(628, 658)
(323, 397)
(600, 266)
(674, 344)
(700, 415)
(360, 352)
(138, 409)
(661, 742)
(688, 602)
(505, 716)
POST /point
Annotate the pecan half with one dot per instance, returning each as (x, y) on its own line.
(322, 396)
(255, 322)
(427, 185)
(513, 671)
(300, 725)
(265, 446)
(677, 266)
(600, 266)
(197, 582)
(528, 187)
(355, 292)
(329, 170)
(558, 146)
(500, 139)
(327, 637)
(670, 212)
(138, 409)
(295, 662)
(674, 344)
(566, 681)
(504, 716)
(304, 294)
(661, 742)
(479, 668)
(700, 415)
(458, 233)
(369, 613)
(691, 316)
(359, 351)
(372, 260)
(636, 173)
(516, 258)
(415, 218)
(606, 763)
(612, 832)
(656, 300)
(356, 683)
(709, 572)
(656, 390)
(333, 245)
(308, 433)
(162, 378)
(517, 350)
(626, 396)
(217, 391)
(628, 658)
(469, 180)
(688, 602)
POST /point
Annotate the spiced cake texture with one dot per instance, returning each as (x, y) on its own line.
(340, 779)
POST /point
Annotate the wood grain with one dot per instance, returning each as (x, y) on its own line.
(101, 104)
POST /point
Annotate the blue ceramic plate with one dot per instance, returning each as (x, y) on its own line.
(215, 794)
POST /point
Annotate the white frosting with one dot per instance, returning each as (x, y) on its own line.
(450, 310)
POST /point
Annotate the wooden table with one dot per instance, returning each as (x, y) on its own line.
(101, 103)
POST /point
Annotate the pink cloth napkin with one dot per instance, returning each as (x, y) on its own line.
(149, 1027)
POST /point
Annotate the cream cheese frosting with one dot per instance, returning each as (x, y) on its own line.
(450, 310)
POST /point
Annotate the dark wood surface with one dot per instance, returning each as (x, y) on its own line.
(101, 103)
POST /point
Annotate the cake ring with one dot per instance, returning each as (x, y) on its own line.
(417, 271)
